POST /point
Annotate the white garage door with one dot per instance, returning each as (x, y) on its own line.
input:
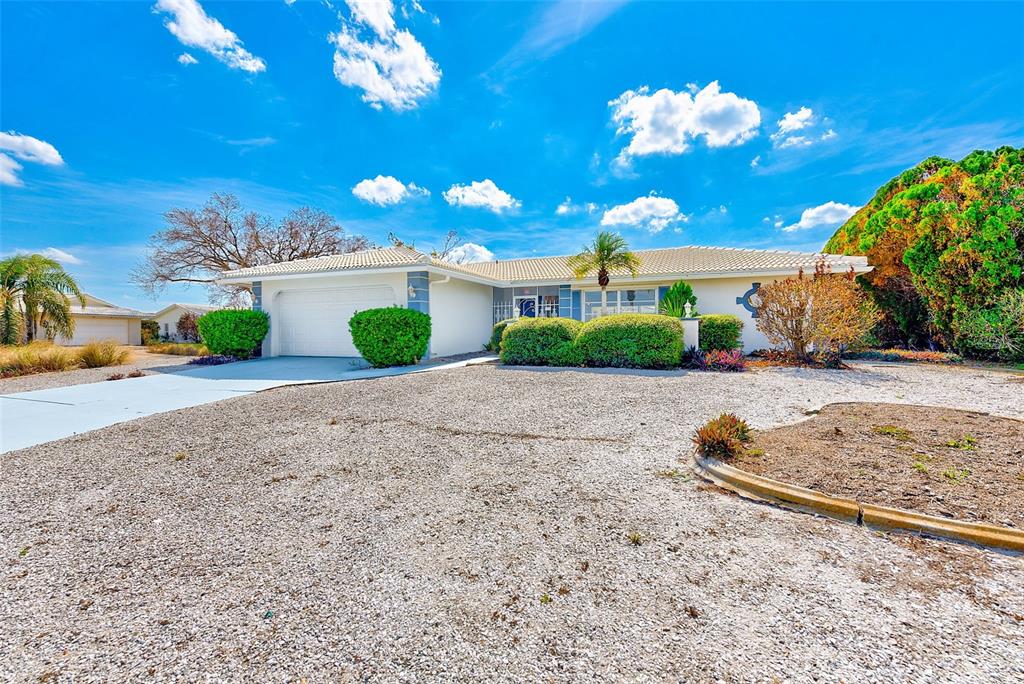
(88, 329)
(315, 322)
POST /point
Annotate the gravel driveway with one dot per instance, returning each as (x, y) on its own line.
(475, 524)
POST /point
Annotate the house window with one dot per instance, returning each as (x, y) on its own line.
(619, 301)
(167, 329)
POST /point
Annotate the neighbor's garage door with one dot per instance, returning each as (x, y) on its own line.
(315, 322)
(88, 329)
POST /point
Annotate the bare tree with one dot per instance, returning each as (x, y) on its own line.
(451, 241)
(197, 244)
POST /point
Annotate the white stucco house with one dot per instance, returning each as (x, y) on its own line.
(309, 301)
(167, 318)
(96, 320)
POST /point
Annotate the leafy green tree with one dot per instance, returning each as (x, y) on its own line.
(34, 295)
(607, 253)
(676, 298)
(946, 240)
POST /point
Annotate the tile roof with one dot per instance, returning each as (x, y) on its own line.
(668, 261)
(671, 261)
(197, 309)
(365, 259)
(111, 311)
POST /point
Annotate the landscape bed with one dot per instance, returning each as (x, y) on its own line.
(939, 461)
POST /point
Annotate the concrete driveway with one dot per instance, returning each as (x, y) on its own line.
(30, 418)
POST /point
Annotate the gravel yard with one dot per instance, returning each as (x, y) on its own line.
(476, 524)
(141, 359)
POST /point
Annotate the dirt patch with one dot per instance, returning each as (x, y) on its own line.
(957, 464)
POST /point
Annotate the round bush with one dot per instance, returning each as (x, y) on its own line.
(720, 332)
(496, 332)
(233, 332)
(541, 342)
(632, 341)
(391, 336)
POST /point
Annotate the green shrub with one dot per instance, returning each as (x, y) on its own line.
(150, 331)
(541, 342)
(720, 331)
(391, 336)
(632, 341)
(234, 332)
(676, 298)
(495, 344)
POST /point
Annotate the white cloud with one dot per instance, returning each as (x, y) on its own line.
(568, 207)
(805, 120)
(827, 214)
(187, 59)
(651, 212)
(30, 149)
(253, 142)
(53, 253)
(385, 190)
(470, 253)
(484, 194)
(755, 161)
(9, 171)
(377, 14)
(666, 122)
(794, 121)
(392, 67)
(25, 148)
(190, 24)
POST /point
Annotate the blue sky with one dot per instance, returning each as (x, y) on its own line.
(746, 125)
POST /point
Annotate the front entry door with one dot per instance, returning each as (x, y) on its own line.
(527, 306)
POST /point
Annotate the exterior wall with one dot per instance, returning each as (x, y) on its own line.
(460, 313)
(170, 319)
(271, 288)
(719, 295)
(135, 331)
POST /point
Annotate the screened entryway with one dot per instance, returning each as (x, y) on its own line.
(619, 301)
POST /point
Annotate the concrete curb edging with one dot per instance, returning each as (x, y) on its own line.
(881, 517)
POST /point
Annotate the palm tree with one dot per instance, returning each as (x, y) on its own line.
(34, 292)
(608, 252)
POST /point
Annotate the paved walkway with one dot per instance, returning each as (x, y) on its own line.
(30, 418)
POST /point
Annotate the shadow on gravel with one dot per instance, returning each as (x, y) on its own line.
(641, 372)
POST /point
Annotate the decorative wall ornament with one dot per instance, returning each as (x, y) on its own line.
(744, 301)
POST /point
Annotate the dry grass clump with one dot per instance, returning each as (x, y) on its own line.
(38, 357)
(178, 348)
(102, 354)
(43, 356)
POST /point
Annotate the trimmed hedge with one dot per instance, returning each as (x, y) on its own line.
(632, 341)
(391, 336)
(720, 332)
(496, 332)
(233, 332)
(541, 342)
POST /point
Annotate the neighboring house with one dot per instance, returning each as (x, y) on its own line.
(100, 320)
(309, 301)
(167, 318)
